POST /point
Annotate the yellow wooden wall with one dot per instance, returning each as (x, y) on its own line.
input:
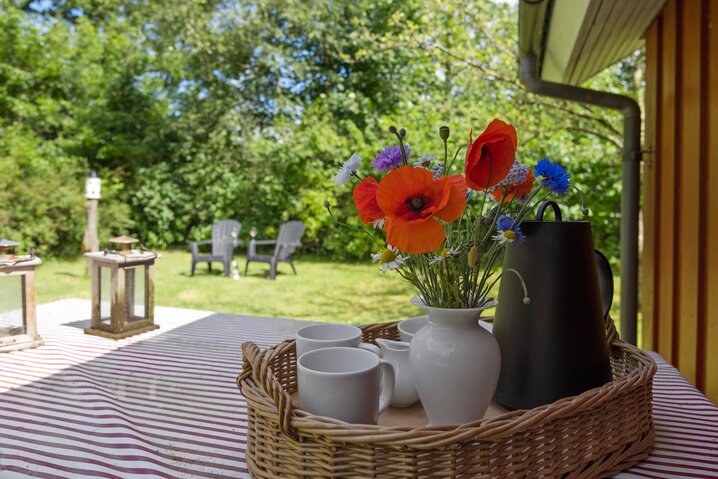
(680, 202)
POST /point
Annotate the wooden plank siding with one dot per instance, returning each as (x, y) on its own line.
(649, 263)
(709, 327)
(680, 197)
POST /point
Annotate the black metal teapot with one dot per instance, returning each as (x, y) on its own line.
(556, 345)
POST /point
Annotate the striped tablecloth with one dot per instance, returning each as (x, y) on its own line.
(165, 404)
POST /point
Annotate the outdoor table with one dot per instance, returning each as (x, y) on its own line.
(165, 404)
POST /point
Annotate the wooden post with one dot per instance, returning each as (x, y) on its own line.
(91, 241)
(96, 294)
(28, 303)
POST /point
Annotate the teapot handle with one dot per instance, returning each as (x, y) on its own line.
(605, 281)
(554, 207)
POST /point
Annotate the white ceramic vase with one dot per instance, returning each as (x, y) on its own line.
(456, 365)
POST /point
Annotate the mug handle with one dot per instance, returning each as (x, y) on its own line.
(387, 385)
(371, 348)
(605, 281)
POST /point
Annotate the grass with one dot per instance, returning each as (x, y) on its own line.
(356, 293)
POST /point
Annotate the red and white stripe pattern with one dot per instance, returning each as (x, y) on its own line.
(165, 405)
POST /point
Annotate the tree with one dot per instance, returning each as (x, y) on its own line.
(200, 110)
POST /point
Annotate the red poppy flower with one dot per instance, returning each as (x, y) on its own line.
(515, 189)
(489, 158)
(365, 200)
(412, 201)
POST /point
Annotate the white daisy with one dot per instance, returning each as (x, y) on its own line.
(347, 170)
(389, 257)
(425, 161)
(503, 237)
(445, 253)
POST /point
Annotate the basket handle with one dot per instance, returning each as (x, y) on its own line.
(611, 331)
(256, 364)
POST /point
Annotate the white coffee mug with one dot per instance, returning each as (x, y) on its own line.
(330, 335)
(349, 384)
(409, 327)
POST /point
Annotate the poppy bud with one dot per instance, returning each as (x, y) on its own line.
(444, 132)
(585, 211)
(392, 129)
(474, 257)
(402, 133)
(327, 205)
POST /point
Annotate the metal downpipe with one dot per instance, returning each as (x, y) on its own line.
(630, 178)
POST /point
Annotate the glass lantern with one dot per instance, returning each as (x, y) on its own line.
(18, 326)
(122, 290)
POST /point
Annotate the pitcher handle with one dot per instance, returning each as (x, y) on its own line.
(605, 281)
(554, 207)
(387, 385)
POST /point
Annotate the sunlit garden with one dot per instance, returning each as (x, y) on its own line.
(188, 126)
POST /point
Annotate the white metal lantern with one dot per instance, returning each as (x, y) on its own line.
(18, 327)
(92, 186)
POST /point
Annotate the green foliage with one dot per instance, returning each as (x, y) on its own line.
(194, 111)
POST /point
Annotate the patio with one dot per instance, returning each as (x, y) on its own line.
(165, 403)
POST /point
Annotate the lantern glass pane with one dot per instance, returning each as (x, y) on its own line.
(105, 294)
(137, 296)
(11, 316)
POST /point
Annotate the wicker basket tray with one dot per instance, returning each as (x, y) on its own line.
(595, 434)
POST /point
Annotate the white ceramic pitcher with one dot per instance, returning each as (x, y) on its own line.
(398, 354)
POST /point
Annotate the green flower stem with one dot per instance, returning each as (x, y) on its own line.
(448, 167)
(356, 228)
(446, 151)
(518, 275)
(525, 208)
(401, 147)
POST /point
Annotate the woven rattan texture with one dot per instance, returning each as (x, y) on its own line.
(595, 434)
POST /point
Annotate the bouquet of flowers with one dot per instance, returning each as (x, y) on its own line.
(445, 232)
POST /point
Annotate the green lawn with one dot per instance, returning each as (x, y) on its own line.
(321, 291)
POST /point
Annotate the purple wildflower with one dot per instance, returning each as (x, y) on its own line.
(390, 158)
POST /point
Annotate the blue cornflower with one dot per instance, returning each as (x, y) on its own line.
(508, 231)
(389, 158)
(552, 175)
